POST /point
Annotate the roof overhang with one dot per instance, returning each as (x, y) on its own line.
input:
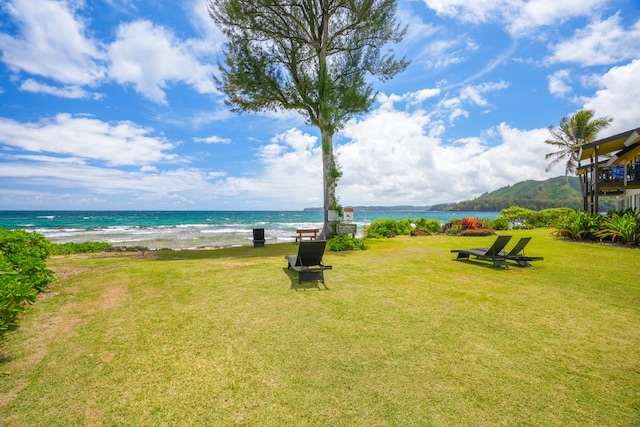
(610, 144)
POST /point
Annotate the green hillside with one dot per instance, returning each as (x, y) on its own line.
(553, 193)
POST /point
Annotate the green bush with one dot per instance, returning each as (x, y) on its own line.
(500, 223)
(23, 273)
(78, 248)
(578, 226)
(14, 294)
(27, 252)
(387, 227)
(345, 242)
(430, 225)
(623, 226)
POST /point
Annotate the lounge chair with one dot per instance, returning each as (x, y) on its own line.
(308, 263)
(517, 253)
(258, 237)
(495, 253)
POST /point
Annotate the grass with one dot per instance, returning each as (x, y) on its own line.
(404, 336)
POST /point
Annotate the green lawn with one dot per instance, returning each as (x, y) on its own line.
(404, 336)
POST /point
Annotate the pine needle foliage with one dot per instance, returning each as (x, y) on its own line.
(311, 56)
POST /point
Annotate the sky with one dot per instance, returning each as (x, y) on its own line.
(111, 105)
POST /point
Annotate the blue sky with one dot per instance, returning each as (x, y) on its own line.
(110, 104)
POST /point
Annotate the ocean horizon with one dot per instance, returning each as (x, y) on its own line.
(194, 229)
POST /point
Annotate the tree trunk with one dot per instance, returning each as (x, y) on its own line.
(329, 178)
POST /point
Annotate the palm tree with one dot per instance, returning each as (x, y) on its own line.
(574, 131)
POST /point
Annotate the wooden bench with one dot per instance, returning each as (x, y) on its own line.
(308, 233)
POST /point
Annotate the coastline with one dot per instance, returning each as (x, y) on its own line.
(185, 230)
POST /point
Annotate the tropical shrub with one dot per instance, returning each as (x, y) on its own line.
(469, 227)
(516, 216)
(577, 225)
(78, 248)
(14, 295)
(623, 226)
(470, 223)
(23, 273)
(27, 253)
(388, 227)
(345, 242)
(500, 223)
(485, 223)
(548, 217)
(430, 225)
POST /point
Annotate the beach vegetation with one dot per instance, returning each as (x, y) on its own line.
(78, 248)
(579, 226)
(428, 225)
(405, 335)
(499, 223)
(574, 131)
(622, 226)
(519, 217)
(389, 228)
(23, 273)
(469, 226)
(315, 57)
(345, 242)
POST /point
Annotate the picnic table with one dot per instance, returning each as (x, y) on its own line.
(308, 233)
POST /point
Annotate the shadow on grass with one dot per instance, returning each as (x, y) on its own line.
(480, 263)
(307, 284)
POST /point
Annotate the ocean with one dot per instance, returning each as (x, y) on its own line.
(191, 229)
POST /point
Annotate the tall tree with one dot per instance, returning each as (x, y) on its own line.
(312, 56)
(574, 131)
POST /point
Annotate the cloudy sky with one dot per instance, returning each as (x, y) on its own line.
(110, 104)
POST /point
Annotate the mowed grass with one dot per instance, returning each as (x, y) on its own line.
(404, 336)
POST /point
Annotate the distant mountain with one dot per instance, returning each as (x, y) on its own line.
(555, 192)
(536, 195)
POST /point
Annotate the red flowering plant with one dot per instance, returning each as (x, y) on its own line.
(470, 223)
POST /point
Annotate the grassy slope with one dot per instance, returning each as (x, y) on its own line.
(404, 336)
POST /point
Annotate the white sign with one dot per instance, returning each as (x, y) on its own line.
(348, 214)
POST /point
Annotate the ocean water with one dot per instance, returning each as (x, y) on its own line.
(190, 229)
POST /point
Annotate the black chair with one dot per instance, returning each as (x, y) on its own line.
(258, 237)
(517, 253)
(308, 263)
(494, 253)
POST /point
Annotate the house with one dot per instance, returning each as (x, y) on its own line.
(611, 167)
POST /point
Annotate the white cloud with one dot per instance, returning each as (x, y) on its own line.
(51, 43)
(73, 92)
(121, 143)
(392, 157)
(150, 57)
(558, 83)
(443, 53)
(473, 93)
(538, 13)
(618, 98)
(213, 140)
(518, 16)
(290, 164)
(107, 180)
(600, 43)
(473, 11)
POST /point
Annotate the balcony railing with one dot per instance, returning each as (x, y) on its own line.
(621, 175)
